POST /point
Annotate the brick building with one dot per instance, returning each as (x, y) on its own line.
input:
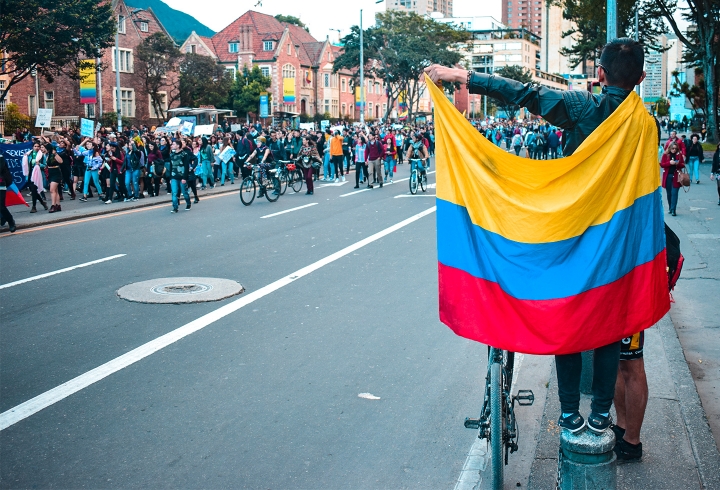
(286, 51)
(63, 95)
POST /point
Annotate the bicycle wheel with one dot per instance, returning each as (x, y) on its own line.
(271, 187)
(296, 180)
(423, 181)
(283, 178)
(497, 413)
(247, 191)
(413, 181)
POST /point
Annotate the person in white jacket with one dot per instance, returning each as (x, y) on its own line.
(33, 164)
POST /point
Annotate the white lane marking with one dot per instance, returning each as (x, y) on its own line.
(288, 210)
(54, 395)
(334, 184)
(377, 187)
(59, 271)
(478, 457)
(415, 195)
(356, 192)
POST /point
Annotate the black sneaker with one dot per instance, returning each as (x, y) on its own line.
(187, 208)
(83, 199)
(599, 423)
(627, 452)
(574, 423)
(619, 432)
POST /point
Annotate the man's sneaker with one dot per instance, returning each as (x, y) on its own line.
(187, 208)
(574, 422)
(336, 179)
(173, 210)
(83, 199)
(599, 423)
(391, 181)
(343, 178)
(619, 432)
(627, 452)
(108, 201)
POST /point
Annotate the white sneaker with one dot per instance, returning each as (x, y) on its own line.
(391, 181)
(343, 178)
(108, 202)
(336, 179)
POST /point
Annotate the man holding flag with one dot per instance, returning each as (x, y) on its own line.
(517, 267)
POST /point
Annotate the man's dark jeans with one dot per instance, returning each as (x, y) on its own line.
(605, 367)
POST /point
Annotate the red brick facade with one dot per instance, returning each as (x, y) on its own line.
(65, 92)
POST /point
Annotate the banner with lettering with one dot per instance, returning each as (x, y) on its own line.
(88, 93)
(13, 156)
(288, 90)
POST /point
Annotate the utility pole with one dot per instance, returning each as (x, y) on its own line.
(117, 75)
(637, 36)
(362, 75)
(611, 20)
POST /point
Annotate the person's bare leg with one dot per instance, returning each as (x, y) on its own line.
(636, 397)
(619, 400)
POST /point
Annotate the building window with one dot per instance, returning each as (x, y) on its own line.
(370, 109)
(334, 108)
(377, 88)
(90, 111)
(191, 48)
(232, 71)
(370, 87)
(121, 24)
(32, 106)
(327, 106)
(144, 26)
(288, 71)
(289, 48)
(154, 114)
(334, 81)
(50, 100)
(265, 70)
(127, 101)
(126, 60)
(233, 47)
(327, 80)
(342, 85)
(267, 45)
(344, 109)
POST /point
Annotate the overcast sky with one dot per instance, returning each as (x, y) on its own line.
(322, 17)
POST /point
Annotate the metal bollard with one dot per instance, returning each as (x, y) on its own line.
(587, 461)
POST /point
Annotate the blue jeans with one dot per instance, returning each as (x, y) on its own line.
(694, 168)
(133, 176)
(176, 185)
(227, 169)
(672, 193)
(91, 174)
(389, 165)
(328, 170)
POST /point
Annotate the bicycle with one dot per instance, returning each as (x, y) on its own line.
(497, 422)
(417, 177)
(289, 175)
(270, 185)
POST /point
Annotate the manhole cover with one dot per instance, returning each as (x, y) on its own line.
(176, 290)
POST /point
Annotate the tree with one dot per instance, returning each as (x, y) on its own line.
(701, 45)
(203, 81)
(397, 49)
(291, 19)
(158, 63)
(246, 90)
(590, 26)
(14, 119)
(694, 94)
(514, 72)
(662, 107)
(51, 37)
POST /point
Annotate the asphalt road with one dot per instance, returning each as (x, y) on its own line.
(265, 397)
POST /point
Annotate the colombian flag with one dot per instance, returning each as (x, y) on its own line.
(550, 256)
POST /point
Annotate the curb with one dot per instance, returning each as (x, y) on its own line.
(701, 439)
(107, 210)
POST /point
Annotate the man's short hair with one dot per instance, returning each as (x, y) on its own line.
(623, 60)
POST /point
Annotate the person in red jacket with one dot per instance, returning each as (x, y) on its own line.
(672, 161)
(674, 139)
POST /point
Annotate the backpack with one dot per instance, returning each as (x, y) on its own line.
(675, 259)
(498, 136)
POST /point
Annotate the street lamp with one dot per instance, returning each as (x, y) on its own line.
(362, 71)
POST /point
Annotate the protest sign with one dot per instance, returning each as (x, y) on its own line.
(86, 127)
(44, 116)
(13, 156)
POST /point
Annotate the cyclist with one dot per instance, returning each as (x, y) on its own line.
(417, 151)
(266, 163)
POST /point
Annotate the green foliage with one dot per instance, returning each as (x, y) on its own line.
(109, 120)
(158, 60)
(513, 72)
(52, 36)
(304, 117)
(401, 45)
(203, 81)
(590, 31)
(179, 24)
(246, 90)
(291, 19)
(695, 94)
(14, 119)
(662, 107)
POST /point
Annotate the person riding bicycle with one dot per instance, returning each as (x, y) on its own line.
(267, 162)
(417, 151)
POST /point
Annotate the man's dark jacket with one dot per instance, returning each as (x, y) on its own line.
(577, 112)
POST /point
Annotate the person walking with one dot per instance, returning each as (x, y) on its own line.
(156, 168)
(672, 161)
(375, 153)
(553, 141)
(695, 157)
(517, 142)
(54, 176)
(6, 179)
(35, 177)
(337, 155)
(115, 163)
(360, 165)
(178, 175)
(390, 153)
(93, 163)
(207, 157)
(308, 149)
(135, 159)
(620, 69)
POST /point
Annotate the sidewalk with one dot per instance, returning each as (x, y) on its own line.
(73, 210)
(678, 448)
